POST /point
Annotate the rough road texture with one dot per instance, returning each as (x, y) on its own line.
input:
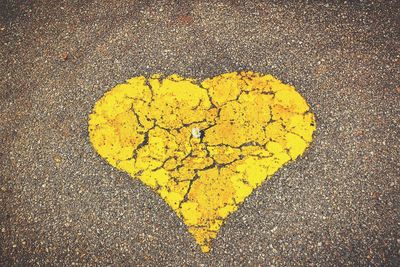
(62, 204)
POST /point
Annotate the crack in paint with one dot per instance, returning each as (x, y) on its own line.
(251, 125)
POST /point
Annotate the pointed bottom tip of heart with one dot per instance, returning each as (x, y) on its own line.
(205, 248)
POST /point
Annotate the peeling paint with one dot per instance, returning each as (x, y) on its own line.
(204, 147)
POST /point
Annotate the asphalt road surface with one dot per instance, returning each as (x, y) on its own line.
(61, 204)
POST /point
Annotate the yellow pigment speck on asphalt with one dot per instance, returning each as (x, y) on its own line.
(204, 147)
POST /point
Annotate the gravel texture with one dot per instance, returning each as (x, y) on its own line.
(61, 204)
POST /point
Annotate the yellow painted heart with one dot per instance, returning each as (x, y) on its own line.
(203, 147)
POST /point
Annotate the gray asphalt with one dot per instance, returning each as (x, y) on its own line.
(61, 204)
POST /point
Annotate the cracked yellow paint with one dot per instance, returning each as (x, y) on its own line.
(203, 147)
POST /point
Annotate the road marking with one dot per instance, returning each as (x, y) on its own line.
(203, 147)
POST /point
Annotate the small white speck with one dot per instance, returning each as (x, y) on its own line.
(196, 133)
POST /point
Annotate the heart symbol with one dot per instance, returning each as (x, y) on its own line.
(202, 147)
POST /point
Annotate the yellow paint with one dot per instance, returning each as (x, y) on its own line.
(250, 125)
